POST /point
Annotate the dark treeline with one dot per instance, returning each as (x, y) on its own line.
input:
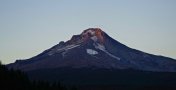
(104, 79)
(17, 80)
(96, 79)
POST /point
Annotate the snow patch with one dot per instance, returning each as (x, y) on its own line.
(68, 47)
(65, 49)
(91, 51)
(94, 38)
(99, 46)
(113, 56)
(102, 48)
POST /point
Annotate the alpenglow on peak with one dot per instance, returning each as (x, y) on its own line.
(95, 34)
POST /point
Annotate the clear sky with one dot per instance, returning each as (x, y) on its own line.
(28, 27)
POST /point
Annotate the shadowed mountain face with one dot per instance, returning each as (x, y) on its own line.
(94, 49)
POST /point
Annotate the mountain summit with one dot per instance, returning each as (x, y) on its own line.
(95, 34)
(94, 49)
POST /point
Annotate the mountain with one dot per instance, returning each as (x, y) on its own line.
(93, 60)
(94, 49)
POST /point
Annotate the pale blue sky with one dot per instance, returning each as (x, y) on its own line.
(28, 27)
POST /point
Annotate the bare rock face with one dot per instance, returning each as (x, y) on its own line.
(93, 48)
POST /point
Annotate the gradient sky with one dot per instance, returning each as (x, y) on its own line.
(28, 27)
